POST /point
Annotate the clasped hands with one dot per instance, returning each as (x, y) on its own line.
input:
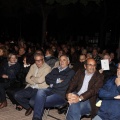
(73, 98)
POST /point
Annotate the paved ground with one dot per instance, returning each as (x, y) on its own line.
(10, 113)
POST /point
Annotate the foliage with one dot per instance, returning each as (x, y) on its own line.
(66, 2)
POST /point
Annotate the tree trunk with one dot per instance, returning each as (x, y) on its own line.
(44, 29)
(102, 28)
(46, 9)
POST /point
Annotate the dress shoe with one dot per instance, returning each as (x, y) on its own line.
(63, 108)
(28, 112)
(4, 104)
(19, 108)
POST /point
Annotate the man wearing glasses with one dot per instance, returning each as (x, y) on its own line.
(82, 92)
(36, 80)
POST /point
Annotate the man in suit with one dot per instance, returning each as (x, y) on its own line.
(82, 91)
(58, 79)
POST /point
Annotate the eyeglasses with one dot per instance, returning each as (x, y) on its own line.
(40, 60)
(91, 65)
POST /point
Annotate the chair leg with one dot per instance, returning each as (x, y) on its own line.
(46, 114)
(66, 113)
(54, 117)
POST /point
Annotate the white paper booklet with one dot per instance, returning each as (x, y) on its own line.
(105, 64)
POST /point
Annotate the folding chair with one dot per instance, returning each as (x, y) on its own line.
(47, 113)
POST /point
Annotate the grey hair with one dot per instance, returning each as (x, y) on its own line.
(66, 57)
(38, 54)
(10, 55)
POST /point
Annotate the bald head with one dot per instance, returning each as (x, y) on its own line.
(90, 65)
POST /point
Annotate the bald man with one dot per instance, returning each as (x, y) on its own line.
(82, 92)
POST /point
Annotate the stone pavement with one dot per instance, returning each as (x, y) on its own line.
(10, 113)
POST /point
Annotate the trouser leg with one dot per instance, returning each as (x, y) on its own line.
(40, 101)
(75, 111)
(23, 96)
(3, 86)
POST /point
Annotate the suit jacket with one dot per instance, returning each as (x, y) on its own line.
(94, 85)
(65, 75)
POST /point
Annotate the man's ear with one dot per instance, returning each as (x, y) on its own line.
(84, 66)
(110, 59)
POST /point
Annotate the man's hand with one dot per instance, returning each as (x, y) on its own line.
(118, 73)
(4, 76)
(73, 98)
(59, 80)
(117, 97)
(101, 71)
(117, 80)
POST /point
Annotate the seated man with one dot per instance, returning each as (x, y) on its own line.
(58, 79)
(82, 92)
(36, 80)
(110, 96)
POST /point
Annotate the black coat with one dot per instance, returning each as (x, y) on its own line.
(11, 71)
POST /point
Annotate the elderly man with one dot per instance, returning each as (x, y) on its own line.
(58, 79)
(82, 92)
(36, 80)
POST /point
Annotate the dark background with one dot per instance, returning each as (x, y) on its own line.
(86, 24)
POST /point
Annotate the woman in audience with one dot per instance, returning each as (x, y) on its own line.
(8, 73)
(27, 62)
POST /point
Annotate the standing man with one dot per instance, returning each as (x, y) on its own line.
(58, 79)
(82, 92)
(36, 80)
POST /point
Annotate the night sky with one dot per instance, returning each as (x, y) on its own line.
(63, 21)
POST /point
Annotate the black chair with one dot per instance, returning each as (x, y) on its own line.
(47, 112)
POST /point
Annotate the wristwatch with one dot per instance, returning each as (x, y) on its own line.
(80, 99)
